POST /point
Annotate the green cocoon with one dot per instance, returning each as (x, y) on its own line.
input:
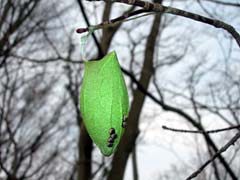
(104, 102)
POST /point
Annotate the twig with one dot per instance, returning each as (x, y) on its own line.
(225, 3)
(221, 150)
(80, 3)
(112, 22)
(156, 7)
(201, 131)
(50, 59)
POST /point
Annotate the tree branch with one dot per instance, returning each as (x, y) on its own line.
(201, 131)
(225, 3)
(156, 7)
(112, 22)
(221, 150)
(88, 24)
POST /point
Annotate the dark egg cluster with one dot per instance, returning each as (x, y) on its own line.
(112, 137)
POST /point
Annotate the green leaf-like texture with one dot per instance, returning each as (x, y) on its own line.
(104, 102)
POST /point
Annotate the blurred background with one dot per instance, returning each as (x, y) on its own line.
(190, 70)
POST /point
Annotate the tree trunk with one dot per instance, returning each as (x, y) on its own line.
(128, 140)
(85, 155)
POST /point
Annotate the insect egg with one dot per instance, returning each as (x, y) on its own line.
(110, 140)
(110, 145)
(111, 131)
(113, 136)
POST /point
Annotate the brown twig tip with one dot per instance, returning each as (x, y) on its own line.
(164, 127)
(81, 30)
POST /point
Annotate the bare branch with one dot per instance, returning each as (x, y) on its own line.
(221, 150)
(156, 7)
(112, 22)
(201, 131)
(224, 3)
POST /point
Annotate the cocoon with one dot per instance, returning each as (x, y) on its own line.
(104, 102)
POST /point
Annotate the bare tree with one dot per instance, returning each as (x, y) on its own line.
(31, 123)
